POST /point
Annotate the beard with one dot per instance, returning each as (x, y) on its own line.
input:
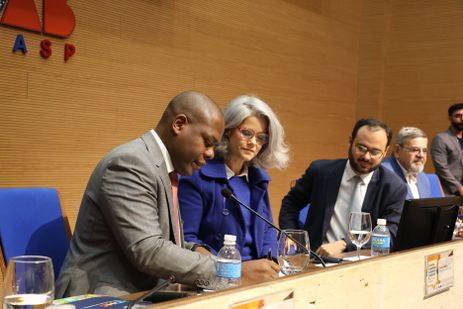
(457, 126)
(417, 167)
(356, 165)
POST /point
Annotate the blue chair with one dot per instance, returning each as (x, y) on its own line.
(303, 216)
(436, 188)
(32, 223)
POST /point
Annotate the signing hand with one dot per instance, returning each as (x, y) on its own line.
(332, 248)
(256, 271)
(203, 251)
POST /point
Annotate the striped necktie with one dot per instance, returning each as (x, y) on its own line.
(356, 197)
(176, 214)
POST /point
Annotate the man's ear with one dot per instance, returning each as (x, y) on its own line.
(385, 151)
(179, 123)
(396, 150)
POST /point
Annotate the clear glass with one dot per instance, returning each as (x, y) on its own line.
(293, 251)
(29, 283)
(359, 229)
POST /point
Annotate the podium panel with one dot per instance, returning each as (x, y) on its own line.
(393, 281)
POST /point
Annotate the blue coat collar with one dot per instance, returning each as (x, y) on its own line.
(216, 169)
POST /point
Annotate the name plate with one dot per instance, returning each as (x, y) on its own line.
(438, 273)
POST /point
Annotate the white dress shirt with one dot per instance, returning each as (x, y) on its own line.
(342, 208)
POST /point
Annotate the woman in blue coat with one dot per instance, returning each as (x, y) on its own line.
(253, 141)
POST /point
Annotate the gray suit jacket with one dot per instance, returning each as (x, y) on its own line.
(122, 239)
(448, 161)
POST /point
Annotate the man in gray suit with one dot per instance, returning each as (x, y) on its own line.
(124, 239)
(447, 154)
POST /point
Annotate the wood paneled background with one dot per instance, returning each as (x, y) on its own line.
(320, 64)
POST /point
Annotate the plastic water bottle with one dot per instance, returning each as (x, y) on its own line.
(228, 264)
(380, 239)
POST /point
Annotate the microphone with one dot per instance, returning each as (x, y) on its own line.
(228, 194)
(151, 292)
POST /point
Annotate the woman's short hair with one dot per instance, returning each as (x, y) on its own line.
(274, 154)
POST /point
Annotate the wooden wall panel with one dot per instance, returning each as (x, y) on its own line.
(321, 64)
(411, 59)
(58, 119)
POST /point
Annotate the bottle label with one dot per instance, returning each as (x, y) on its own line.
(380, 242)
(229, 270)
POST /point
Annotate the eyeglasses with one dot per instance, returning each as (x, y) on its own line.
(261, 138)
(458, 116)
(415, 150)
(374, 153)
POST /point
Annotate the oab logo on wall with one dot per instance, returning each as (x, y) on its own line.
(57, 20)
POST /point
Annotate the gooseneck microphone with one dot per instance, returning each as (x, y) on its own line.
(151, 292)
(228, 194)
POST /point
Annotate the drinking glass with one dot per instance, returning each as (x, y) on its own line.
(293, 251)
(29, 283)
(359, 229)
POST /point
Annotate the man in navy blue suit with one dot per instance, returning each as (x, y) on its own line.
(329, 186)
(408, 159)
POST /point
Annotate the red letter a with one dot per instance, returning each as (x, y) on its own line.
(21, 14)
(58, 18)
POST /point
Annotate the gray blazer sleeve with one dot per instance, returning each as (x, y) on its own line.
(447, 162)
(134, 201)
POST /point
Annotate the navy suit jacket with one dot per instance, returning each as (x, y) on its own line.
(422, 181)
(208, 216)
(319, 186)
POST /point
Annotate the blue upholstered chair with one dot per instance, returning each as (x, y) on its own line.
(436, 188)
(303, 216)
(32, 223)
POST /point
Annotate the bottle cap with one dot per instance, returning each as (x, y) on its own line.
(229, 239)
(381, 222)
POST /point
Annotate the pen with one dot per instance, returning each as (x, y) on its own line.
(269, 254)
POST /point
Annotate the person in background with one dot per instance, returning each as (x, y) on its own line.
(335, 188)
(447, 152)
(407, 160)
(253, 142)
(128, 233)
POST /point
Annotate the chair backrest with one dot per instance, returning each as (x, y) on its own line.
(303, 216)
(32, 222)
(436, 188)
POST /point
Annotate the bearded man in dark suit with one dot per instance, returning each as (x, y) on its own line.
(330, 185)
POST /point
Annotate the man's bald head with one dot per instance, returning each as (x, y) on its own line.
(190, 127)
(197, 106)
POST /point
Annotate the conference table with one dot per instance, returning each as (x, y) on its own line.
(397, 280)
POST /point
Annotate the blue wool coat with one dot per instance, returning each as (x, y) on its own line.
(208, 216)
